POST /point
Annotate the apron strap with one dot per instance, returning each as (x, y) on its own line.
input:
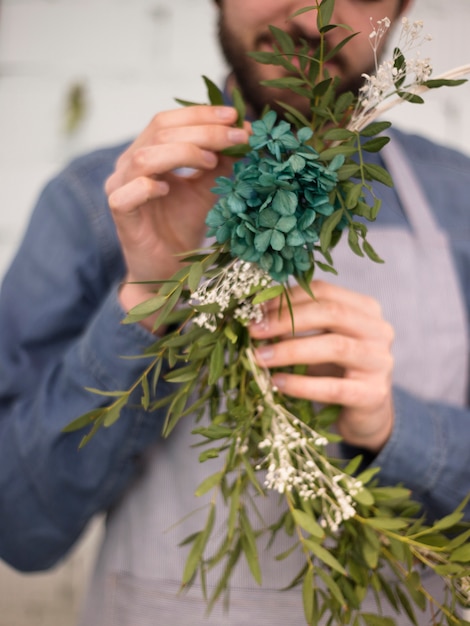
(410, 192)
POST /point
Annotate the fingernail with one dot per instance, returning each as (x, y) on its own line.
(264, 354)
(184, 172)
(279, 382)
(236, 135)
(261, 325)
(209, 157)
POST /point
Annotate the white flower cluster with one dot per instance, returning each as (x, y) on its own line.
(295, 462)
(414, 71)
(375, 96)
(234, 283)
(463, 588)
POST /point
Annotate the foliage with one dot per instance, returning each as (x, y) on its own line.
(302, 183)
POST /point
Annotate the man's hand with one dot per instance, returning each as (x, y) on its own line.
(345, 342)
(158, 213)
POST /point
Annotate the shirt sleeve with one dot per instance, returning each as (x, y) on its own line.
(60, 334)
(428, 453)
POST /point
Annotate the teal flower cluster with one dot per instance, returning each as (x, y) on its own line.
(273, 208)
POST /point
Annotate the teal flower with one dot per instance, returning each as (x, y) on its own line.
(271, 212)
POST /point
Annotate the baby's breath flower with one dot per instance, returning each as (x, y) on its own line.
(398, 75)
(295, 461)
(233, 285)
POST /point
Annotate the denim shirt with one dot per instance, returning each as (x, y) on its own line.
(61, 334)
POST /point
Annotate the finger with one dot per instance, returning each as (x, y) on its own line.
(128, 198)
(354, 393)
(211, 137)
(186, 116)
(324, 291)
(323, 315)
(340, 350)
(156, 161)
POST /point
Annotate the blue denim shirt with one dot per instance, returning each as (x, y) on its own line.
(61, 333)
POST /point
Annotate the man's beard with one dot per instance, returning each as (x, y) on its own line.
(248, 73)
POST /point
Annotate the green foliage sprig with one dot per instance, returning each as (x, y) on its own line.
(302, 183)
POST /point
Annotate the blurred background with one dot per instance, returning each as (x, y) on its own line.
(78, 74)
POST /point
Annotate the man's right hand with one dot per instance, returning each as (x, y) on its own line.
(158, 213)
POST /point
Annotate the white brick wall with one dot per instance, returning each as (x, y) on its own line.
(134, 57)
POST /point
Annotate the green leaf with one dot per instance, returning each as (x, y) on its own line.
(346, 172)
(328, 227)
(377, 620)
(339, 134)
(145, 399)
(284, 39)
(353, 195)
(268, 294)
(376, 144)
(215, 95)
(249, 547)
(83, 420)
(371, 253)
(406, 604)
(434, 83)
(410, 97)
(295, 113)
(324, 555)
(307, 522)
(325, 13)
(216, 363)
(113, 413)
(461, 554)
(387, 523)
(353, 241)
(234, 508)
(376, 172)
(183, 374)
(188, 103)
(195, 274)
(212, 453)
(307, 596)
(334, 51)
(364, 496)
(240, 107)
(367, 475)
(345, 150)
(333, 587)
(209, 483)
(197, 550)
(448, 521)
(375, 129)
(230, 334)
(167, 309)
(145, 309)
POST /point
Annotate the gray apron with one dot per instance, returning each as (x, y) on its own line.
(139, 568)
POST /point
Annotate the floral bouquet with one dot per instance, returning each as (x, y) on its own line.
(301, 185)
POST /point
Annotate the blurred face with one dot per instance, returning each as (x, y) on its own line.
(244, 27)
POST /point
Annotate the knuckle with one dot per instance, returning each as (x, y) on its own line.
(139, 159)
(336, 311)
(157, 121)
(341, 346)
(333, 391)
